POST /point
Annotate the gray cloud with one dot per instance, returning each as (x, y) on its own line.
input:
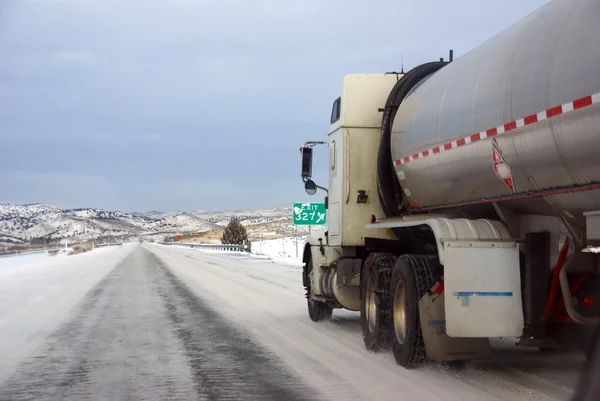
(175, 104)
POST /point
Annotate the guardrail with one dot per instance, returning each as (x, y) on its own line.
(28, 252)
(217, 247)
(55, 248)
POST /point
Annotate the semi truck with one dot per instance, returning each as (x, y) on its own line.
(463, 196)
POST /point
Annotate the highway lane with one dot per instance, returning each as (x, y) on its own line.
(139, 333)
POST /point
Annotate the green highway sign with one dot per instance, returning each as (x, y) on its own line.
(309, 214)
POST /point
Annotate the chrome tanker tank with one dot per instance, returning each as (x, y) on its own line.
(516, 120)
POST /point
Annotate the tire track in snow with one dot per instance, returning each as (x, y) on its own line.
(118, 345)
(140, 334)
(62, 360)
(226, 363)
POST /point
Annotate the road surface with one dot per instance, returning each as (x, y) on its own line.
(154, 322)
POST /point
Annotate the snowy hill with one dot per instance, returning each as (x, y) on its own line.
(29, 222)
(7, 239)
(154, 214)
(248, 216)
(36, 222)
(182, 222)
(25, 211)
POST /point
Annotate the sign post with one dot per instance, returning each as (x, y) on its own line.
(308, 214)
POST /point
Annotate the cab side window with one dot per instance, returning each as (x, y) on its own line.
(335, 112)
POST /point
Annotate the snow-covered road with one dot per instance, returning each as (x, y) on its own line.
(158, 322)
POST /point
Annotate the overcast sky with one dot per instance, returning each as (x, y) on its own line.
(198, 104)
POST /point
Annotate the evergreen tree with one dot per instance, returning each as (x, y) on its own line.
(234, 233)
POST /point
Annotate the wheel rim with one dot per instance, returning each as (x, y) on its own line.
(371, 306)
(399, 313)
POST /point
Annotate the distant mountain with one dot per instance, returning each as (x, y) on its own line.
(153, 214)
(249, 216)
(35, 222)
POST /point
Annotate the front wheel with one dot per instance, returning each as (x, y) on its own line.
(317, 311)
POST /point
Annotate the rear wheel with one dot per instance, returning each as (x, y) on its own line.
(318, 311)
(411, 278)
(374, 300)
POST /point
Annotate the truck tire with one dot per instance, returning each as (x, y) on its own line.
(374, 300)
(412, 277)
(318, 311)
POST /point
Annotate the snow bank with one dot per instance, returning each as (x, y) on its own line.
(285, 250)
(38, 292)
(280, 250)
(22, 260)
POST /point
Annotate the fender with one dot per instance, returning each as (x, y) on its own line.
(315, 237)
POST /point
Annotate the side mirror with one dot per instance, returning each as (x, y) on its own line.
(307, 162)
(310, 187)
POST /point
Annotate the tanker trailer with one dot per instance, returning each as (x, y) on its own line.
(463, 200)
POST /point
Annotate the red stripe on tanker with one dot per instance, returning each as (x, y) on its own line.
(510, 126)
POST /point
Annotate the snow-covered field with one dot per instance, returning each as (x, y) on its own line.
(12, 262)
(288, 249)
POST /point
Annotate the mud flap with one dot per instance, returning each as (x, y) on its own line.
(438, 346)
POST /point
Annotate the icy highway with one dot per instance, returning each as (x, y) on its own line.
(151, 322)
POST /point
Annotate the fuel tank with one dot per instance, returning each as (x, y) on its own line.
(516, 120)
